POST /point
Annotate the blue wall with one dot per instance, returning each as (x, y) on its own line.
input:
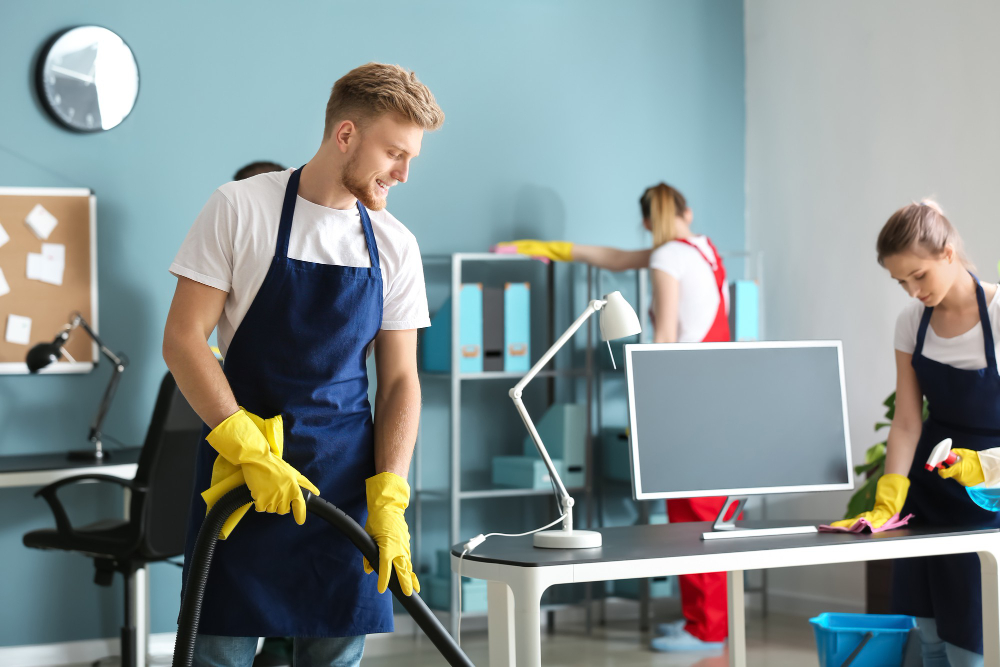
(558, 115)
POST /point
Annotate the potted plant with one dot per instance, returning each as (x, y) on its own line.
(878, 573)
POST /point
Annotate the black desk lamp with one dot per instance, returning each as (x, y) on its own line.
(44, 354)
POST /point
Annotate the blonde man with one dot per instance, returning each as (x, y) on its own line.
(303, 272)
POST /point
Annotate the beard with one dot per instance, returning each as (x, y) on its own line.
(366, 191)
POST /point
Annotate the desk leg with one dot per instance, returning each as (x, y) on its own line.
(991, 607)
(737, 620)
(500, 623)
(527, 594)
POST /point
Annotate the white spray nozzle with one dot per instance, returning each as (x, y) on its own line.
(942, 456)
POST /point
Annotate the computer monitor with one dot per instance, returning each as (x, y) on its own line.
(737, 419)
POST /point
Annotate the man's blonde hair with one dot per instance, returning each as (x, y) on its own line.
(367, 92)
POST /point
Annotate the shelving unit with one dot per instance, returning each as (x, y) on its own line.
(475, 485)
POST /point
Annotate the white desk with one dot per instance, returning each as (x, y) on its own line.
(518, 573)
(27, 470)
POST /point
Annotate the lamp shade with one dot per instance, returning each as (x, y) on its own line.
(42, 355)
(618, 320)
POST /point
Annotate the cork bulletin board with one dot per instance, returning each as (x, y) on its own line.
(49, 306)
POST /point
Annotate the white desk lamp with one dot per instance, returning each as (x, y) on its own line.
(618, 320)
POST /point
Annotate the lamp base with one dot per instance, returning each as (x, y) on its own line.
(568, 539)
(95, 455)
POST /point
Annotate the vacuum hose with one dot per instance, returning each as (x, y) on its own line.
(204, 548)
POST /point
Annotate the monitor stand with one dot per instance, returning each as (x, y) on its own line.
(723, 528)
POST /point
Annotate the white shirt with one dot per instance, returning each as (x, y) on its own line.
(232, 242)
(966, 350)
(699, 295)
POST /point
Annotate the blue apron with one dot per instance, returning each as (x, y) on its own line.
(965, 406)
(300, 352)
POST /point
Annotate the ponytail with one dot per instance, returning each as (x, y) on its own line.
(920, 226)
(661, 204)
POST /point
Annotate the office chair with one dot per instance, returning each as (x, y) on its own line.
(156, 526)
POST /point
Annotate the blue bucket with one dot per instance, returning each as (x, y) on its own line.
(988, 499)
(837, 635)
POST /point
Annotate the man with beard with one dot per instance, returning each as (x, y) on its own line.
(304, 273)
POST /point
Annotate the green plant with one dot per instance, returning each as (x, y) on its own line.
(873, 468)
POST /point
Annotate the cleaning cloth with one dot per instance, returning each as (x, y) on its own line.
(862, 523)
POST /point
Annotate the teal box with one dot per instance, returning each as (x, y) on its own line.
(659, 587)
(524, 472)
(746, 303)
(517, 327)
(563, 430)
(614, 454)
(436, 348)
(438, 593)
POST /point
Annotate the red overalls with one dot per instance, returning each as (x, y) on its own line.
(703, 596)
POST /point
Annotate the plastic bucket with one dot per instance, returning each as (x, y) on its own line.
(837, 635)
(988, 499)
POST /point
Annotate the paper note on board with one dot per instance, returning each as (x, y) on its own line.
(18, 329)
(48, 265)
(41, 222)
(3, 236)
(4, 287)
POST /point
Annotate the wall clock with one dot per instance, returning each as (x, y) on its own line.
(87, 79)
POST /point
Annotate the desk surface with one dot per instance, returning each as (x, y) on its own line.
(628, 543)
(25, 470)
(60, 461)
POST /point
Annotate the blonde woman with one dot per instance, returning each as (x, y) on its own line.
(945, 351)
(690, 304)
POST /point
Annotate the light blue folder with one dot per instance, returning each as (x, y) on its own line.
(517, 327)
(436, 349)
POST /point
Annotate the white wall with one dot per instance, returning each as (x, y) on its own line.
(855, 108)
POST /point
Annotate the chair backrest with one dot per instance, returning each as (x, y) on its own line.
(167, 468)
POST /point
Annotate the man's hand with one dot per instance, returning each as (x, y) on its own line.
(388, 495)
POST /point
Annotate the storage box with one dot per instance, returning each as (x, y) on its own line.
(436, 591)
(563, 430)
(615, 454)
(659, 587)
(525, 472)
(436, 346)
(837, 635)
(517, 327)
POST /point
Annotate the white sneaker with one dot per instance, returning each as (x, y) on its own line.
(684, 641)
(671, 628)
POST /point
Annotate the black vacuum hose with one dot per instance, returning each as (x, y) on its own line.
(204, 548)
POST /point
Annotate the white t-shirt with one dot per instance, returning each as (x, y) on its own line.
(232, 242)
(699, 295)
(966, 351)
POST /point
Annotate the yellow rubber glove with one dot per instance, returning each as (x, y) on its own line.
(559, 251)
(250, 450)
(388, 495)
(890, 494)
(968, 471)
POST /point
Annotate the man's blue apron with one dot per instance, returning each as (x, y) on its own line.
(300, 352)
(964, 406)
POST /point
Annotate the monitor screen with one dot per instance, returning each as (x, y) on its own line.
(716, 419)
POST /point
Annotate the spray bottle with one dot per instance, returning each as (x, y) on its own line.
(942, 456)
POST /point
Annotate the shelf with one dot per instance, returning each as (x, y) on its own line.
(502, 375)
(476, 257)
(497, 492)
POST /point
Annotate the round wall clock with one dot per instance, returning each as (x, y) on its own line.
(87, 79)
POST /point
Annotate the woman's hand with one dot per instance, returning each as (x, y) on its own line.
(968, 471)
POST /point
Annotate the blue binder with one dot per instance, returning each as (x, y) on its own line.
(747, 306)
(436, 350)
(517, 327)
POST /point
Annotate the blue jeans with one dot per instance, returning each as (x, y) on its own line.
(217, 651)
(939, 653)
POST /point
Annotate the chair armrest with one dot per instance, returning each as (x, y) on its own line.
(59, 513)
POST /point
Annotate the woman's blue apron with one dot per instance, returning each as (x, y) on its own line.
(964, 406)
(300, 352)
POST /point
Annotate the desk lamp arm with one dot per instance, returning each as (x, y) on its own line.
(566, 501)
(120, 362)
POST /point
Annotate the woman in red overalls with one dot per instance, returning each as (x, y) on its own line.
(690, 304)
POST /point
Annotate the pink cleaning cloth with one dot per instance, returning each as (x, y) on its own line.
(860, 525)
(510, 249)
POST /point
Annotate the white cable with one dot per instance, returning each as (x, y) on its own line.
(472, 544)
